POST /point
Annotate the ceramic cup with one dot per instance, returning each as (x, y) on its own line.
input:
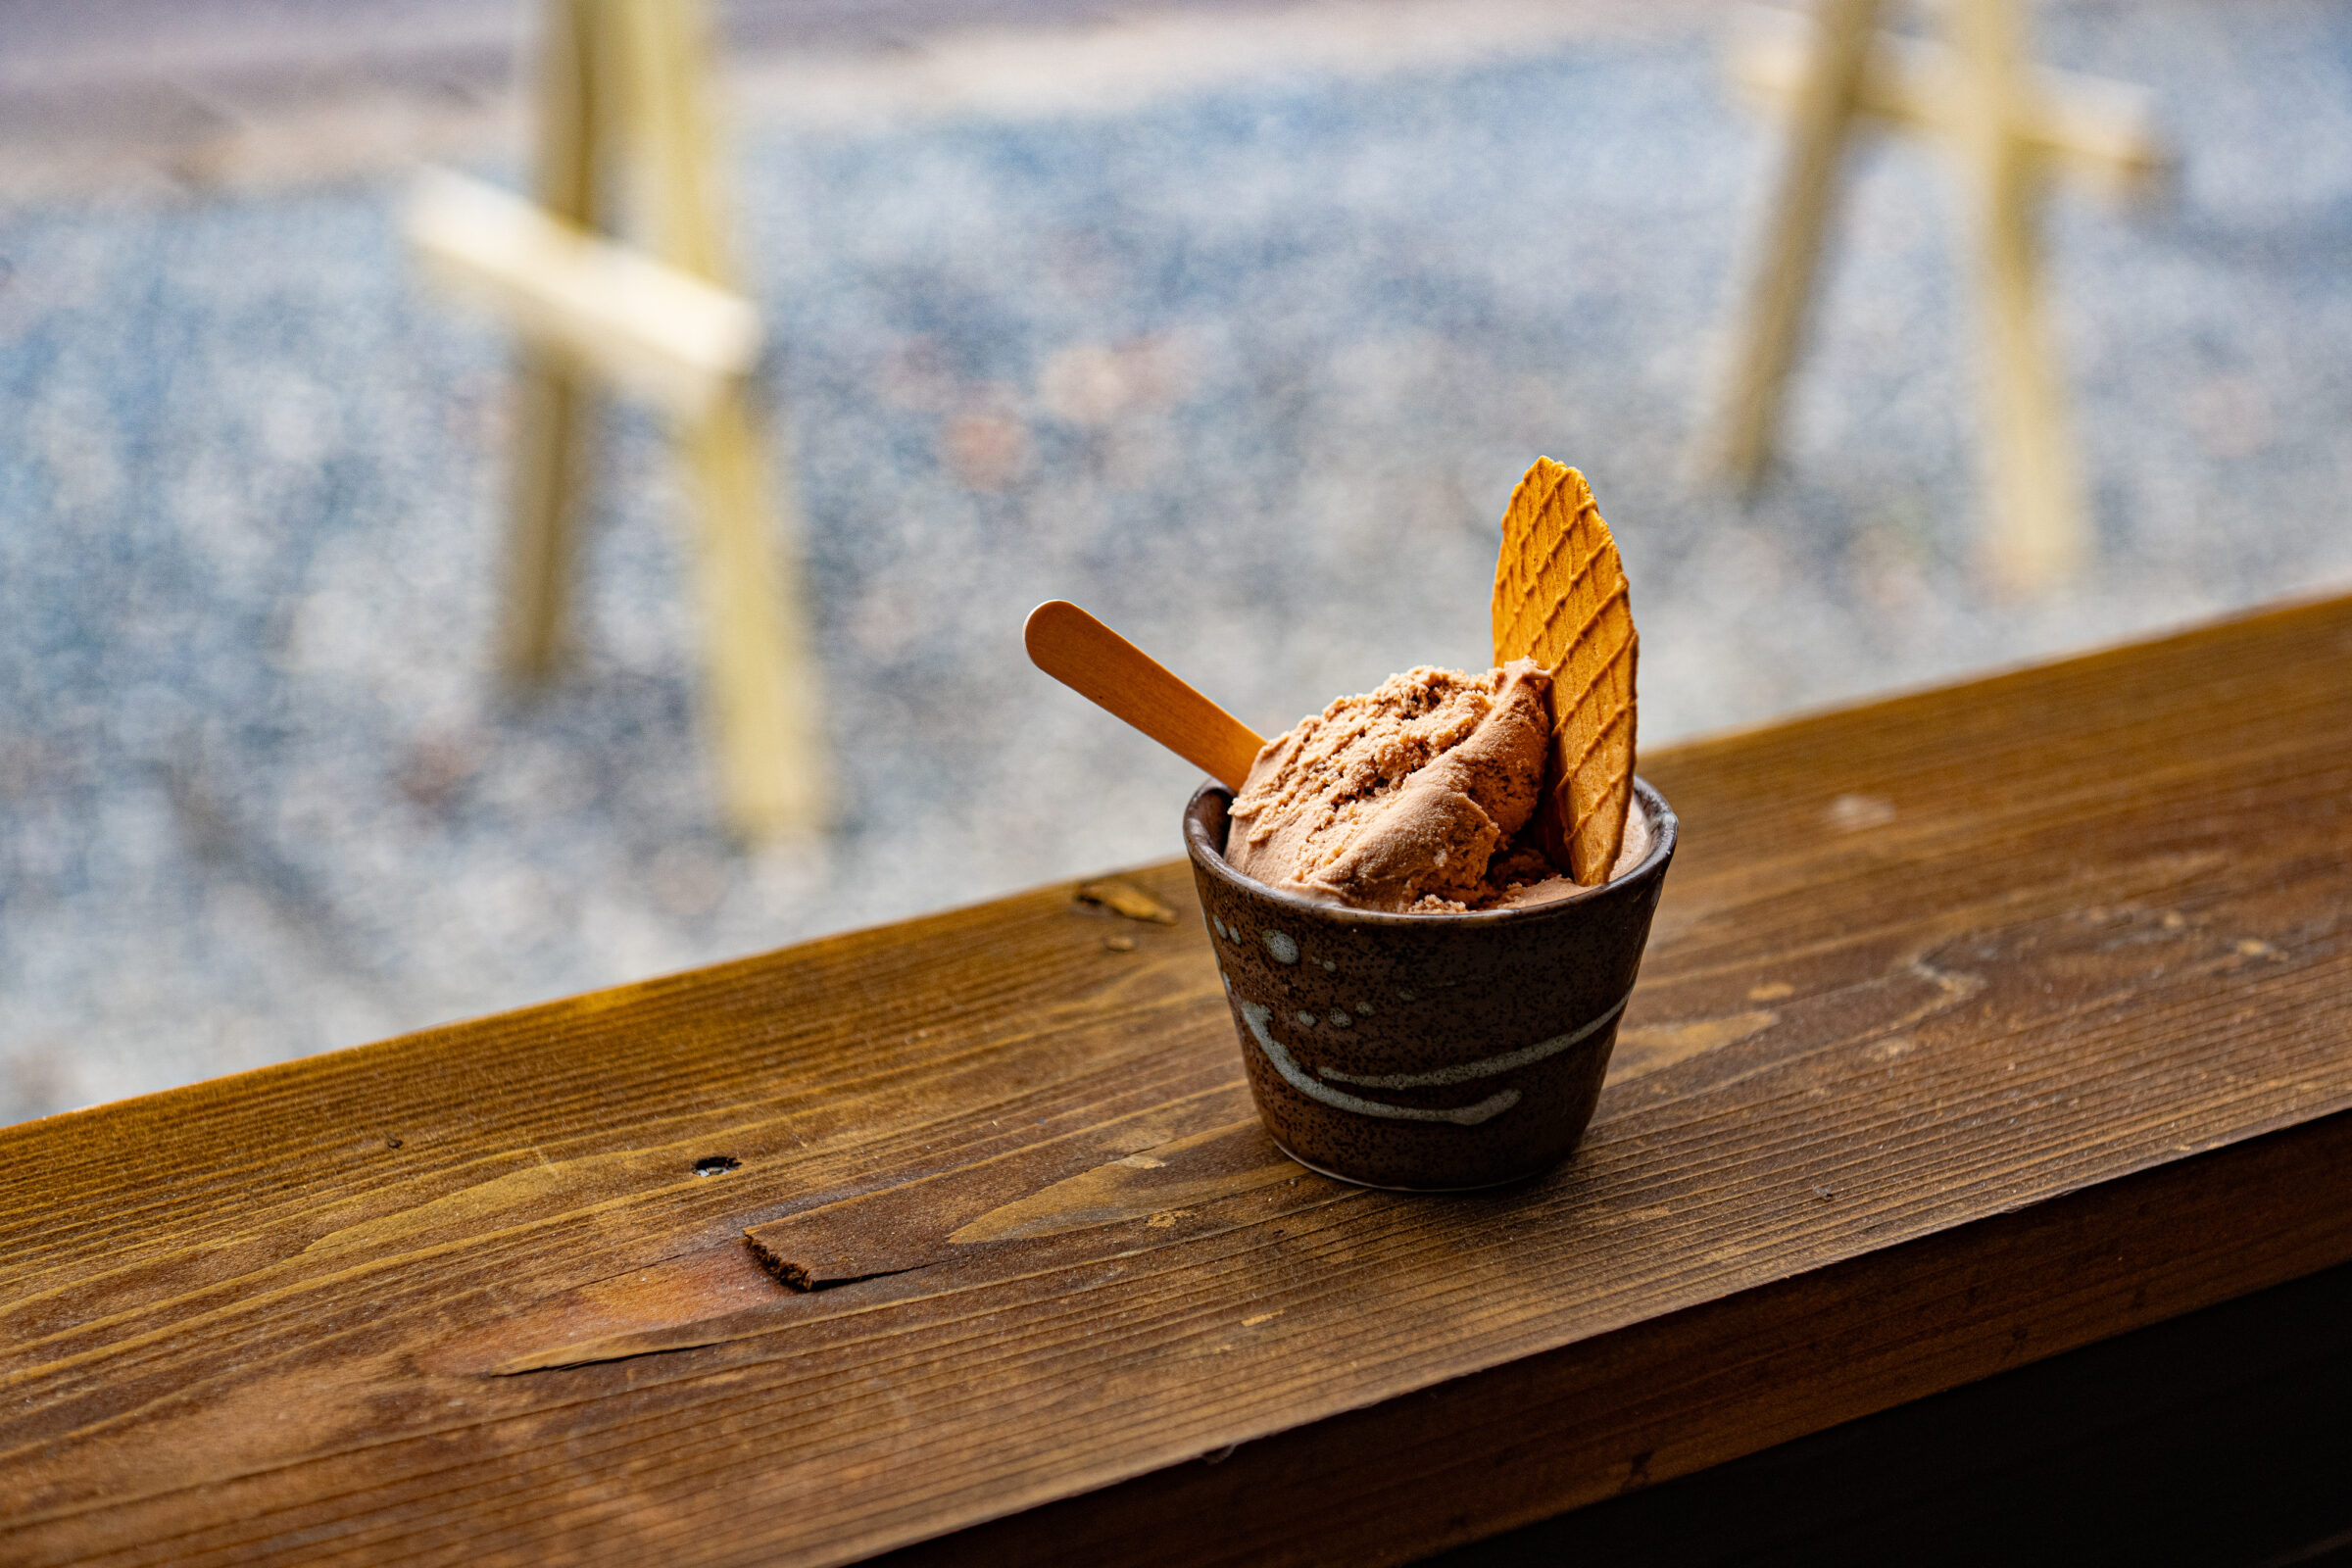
(1426, 1052)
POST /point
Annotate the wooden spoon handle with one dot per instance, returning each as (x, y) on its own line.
(1104, 667)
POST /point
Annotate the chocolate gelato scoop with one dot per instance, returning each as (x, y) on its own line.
(1399, 799)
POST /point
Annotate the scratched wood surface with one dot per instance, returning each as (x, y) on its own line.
(1975, 1024)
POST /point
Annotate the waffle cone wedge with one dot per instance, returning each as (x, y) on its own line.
(1561, 600)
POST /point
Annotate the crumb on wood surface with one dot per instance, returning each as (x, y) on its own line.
(1125, 898)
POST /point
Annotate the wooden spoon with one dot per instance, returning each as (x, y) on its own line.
(1106, 668)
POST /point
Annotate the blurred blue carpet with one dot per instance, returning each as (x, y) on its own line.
(1250, 374)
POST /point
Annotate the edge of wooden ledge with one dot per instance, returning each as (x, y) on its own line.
(1672, 1395)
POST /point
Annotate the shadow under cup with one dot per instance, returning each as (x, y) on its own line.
(1425, 1051)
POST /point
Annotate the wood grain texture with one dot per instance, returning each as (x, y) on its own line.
(1667, 1398)
(1561, 599)
(1976, 1025)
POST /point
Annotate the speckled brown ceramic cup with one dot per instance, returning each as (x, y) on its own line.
(1426, 1052)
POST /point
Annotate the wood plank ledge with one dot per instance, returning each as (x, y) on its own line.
(1976, 1024)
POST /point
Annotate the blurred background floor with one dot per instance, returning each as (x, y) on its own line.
(1236, 324)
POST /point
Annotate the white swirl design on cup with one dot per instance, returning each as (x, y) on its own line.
(1258, 1018)
(1463, 1072)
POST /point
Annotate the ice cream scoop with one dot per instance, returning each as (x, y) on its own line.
(1418, 797)
(1401, 798)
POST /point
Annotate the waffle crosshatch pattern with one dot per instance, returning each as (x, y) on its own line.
(1561, 599)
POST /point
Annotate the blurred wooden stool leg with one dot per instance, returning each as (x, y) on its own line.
(1821, 123)
(2011, 124)
(2036, 534)
(554, 405)
(763, 703)
(761, 696)
(551, 410)
(631, 76)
